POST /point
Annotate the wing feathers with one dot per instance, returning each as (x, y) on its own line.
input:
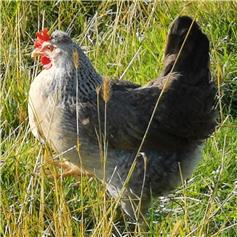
(185, 114)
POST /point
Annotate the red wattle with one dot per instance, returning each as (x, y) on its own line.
(46, 62)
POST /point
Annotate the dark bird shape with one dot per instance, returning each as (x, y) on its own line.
(67, 110)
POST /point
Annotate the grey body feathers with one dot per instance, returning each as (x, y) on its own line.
(63, 100)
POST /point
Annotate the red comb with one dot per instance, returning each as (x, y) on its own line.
(42, 36)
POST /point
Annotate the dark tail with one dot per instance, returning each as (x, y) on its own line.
(188, 110)
(187, 50)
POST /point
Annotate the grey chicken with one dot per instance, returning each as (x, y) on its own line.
(67, 108)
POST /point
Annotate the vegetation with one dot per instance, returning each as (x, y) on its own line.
(123, 39)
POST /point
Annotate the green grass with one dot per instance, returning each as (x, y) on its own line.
(33, 204)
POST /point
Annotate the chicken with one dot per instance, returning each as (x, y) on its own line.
(141, 140)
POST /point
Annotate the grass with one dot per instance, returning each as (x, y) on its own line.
(121, 39)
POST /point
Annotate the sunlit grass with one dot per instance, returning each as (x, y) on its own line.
(125, 40)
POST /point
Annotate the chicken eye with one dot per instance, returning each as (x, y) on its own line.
(50, 47)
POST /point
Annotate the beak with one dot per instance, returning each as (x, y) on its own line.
(36, 53)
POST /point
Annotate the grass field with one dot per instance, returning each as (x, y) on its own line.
(121, 39)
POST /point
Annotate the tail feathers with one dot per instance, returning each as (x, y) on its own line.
(188, 109)
(187, 50)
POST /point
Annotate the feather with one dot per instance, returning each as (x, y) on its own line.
(69, 100)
